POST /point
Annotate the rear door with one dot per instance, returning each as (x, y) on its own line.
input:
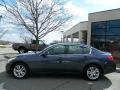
(74, 59)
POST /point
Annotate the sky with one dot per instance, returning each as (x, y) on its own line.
(78, 8)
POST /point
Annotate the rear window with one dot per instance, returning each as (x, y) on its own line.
(96, 51)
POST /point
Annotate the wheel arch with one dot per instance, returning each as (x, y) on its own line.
(22, 62)
(96, 64)
(21, 47)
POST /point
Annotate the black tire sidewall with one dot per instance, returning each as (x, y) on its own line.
(22, 49)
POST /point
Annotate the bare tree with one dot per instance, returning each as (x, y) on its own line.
(39, 17)
(25, 38)
(2, 32)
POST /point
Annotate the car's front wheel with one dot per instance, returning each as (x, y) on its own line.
(19, 71)
(92, 72)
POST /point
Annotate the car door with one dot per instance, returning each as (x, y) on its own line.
(74, 59)
(51, 59)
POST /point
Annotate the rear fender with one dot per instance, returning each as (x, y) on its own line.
(95, 62)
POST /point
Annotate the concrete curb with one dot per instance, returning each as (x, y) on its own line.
(7, 53)
(2, 60)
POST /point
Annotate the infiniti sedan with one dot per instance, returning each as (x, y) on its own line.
(63, 58)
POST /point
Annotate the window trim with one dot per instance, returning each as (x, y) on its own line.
(66, 48)
(54, 47)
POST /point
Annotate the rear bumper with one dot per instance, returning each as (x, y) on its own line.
(109, 67)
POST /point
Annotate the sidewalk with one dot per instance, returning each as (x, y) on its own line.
(2, 58)
(8, 51)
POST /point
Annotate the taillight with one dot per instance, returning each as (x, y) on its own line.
(110, 58)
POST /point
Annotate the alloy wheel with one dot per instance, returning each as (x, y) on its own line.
(19, 71)
(93, 73)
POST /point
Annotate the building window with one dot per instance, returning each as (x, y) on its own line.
(84, 37)
(105, 35)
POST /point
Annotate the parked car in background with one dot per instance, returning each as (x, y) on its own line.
(25, 47)
(63, 58)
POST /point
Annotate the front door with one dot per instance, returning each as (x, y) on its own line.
(52, 59)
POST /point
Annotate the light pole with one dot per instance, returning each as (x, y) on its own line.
(62, 35)
(0, 28)
(0, 17)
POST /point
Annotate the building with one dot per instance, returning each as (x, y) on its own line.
(78, 33)
(102, 30)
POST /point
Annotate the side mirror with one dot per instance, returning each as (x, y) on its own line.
(44, 55)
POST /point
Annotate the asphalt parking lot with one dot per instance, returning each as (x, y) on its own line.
(57, 82)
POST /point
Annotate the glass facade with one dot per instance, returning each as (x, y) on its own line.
(105, 35)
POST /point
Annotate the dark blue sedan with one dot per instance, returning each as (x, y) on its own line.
(63, 58)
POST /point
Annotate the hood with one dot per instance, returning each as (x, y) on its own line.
(27, 54)
(30, 53)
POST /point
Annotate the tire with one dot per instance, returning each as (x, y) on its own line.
(92, 72)
(22, 50)
(20, 71)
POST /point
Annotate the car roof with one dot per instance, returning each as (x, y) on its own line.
(72, 44)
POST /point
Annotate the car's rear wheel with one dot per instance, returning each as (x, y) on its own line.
(19, 70)
(92, 72)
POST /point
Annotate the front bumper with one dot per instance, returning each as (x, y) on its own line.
(8, 68)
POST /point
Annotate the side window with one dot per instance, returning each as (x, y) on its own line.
(75, 49)
(60, 49)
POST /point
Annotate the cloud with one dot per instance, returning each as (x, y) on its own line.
(56, 35)
(75, 10)
(71, 23)
(79, 14)
(111, 3)
(9, 37)
(2, 10)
